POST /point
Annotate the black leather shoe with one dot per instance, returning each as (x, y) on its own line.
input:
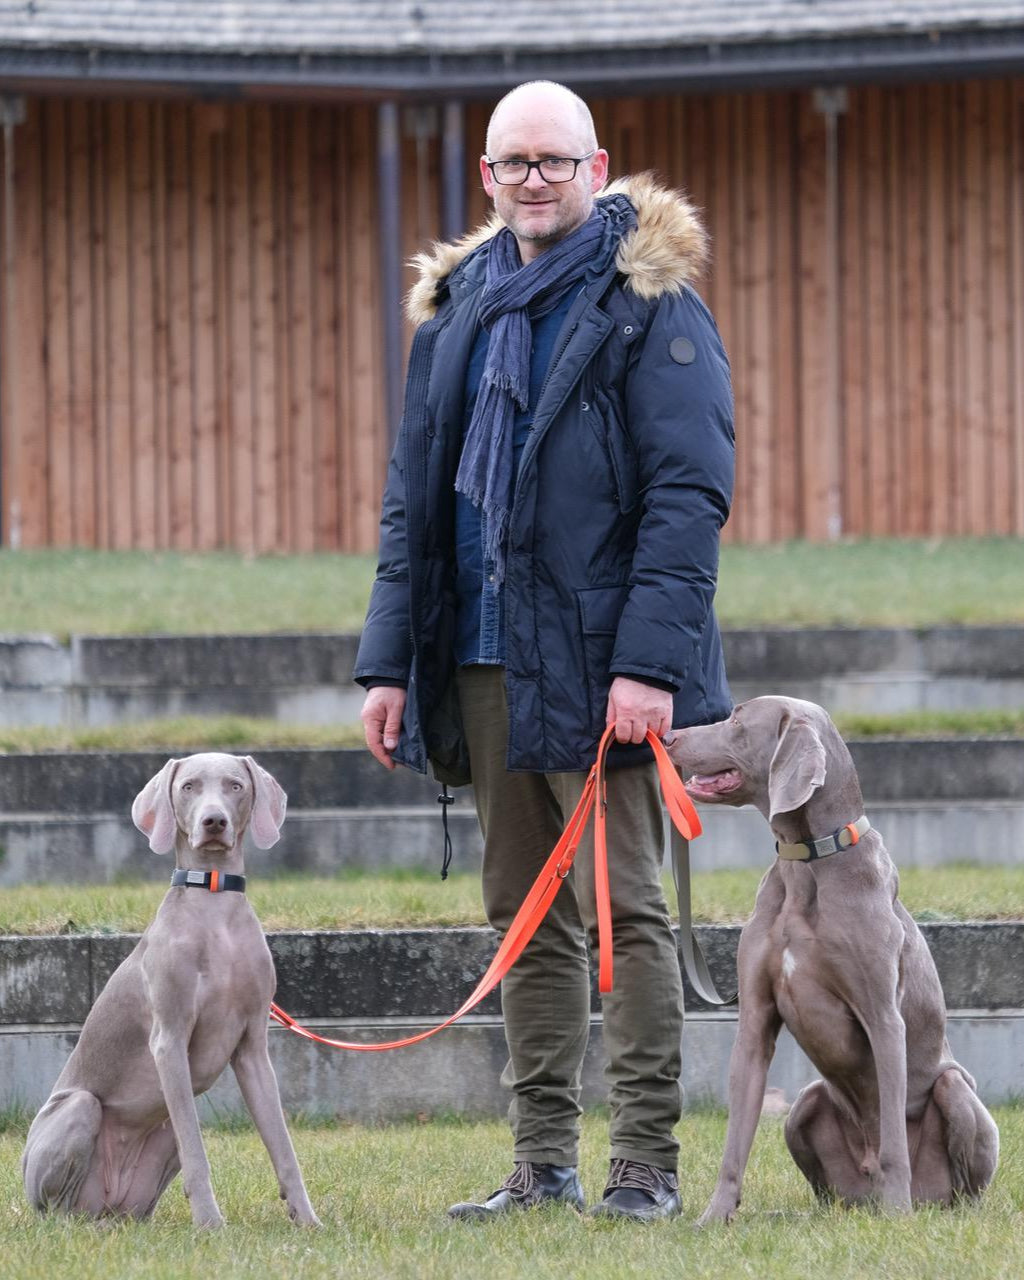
(639, 1191)
(527, 1186)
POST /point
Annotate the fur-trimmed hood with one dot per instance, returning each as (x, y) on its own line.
(667, 250)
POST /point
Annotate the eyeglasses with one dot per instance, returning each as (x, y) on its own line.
(513, 173)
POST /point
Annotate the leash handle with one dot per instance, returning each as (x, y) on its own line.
(684, 819)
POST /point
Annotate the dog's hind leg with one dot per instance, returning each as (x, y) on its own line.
(819, 1140)
(59, 1149)
(971, 1135)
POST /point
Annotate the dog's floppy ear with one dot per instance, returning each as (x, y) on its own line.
(798, 766)
(269, 804)
(152, 811)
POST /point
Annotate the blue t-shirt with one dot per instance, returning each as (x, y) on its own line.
(480, 618)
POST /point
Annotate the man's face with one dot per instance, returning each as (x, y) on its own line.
(540, 213)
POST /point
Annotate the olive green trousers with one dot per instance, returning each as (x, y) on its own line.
(546, 996)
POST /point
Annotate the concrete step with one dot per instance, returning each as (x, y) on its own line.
(98, 680)
(66, 816)
(380, 984)
(103, 680)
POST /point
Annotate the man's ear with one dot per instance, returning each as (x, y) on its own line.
(797, 769)
(269, 804)
(153, 810)
(486, 177)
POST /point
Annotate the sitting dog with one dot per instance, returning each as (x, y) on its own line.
(193, 996)
(831, 952)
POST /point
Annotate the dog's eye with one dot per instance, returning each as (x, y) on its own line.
(186, 786)
(236, 786)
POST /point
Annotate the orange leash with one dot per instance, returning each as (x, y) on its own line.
(543, 891)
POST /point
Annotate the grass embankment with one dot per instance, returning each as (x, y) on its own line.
(419, 899)
(883, 582)
(237, 733)
(381, 1194)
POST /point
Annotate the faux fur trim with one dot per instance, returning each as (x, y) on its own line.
(668, 249)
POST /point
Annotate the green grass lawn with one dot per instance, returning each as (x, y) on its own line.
(381, 1194)
(416, 899)
(874, 582)
(234, 733)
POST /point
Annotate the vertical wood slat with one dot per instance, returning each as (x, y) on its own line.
(853, 365)
(239, 316)
(998, 328)
(815, 410)
(976, 400)
(365, 368)
(299, 329)
(83, 496)
(782, 428)
(25, 520)
(264, 301)
(325, 323)
(203, 120)
(938, 345)
(57, 318)
(179, 345)
(119, 336)
(142, 465)
(1016, 219)
(99, 198)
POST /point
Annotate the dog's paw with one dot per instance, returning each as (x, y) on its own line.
(716, 1211)
(207, 1217)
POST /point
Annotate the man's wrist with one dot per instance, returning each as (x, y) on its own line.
(654, 683)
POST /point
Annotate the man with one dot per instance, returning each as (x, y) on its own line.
(549, 551)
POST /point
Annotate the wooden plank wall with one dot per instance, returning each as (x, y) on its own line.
(191, 331)
(191, 351)
(927, 305)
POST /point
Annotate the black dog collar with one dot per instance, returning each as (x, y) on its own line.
(809, 850)
(215, 881)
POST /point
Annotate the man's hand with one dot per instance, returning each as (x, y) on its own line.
(382, 720)
(635, 707)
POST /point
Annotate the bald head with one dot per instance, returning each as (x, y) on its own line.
(536, 123)
(542, 102)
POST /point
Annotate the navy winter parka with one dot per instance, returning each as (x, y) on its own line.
(622, 490)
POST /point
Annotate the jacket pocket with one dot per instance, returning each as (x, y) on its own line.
(611, 432)
(600, 609)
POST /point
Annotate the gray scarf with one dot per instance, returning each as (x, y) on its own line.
(513, 296)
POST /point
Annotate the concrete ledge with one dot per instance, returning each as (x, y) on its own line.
(65, 816)
(307, 677)
(383, 984)
(783, 653)
(99, 782)
(100, 849)
(458, 1070)
(368, 974)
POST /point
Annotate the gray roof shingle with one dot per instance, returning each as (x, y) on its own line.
(324, 27)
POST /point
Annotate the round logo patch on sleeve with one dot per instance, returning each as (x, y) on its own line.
(682, 351)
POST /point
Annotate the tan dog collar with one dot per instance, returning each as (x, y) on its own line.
(809, 850)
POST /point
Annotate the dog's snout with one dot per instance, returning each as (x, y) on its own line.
(214, 823)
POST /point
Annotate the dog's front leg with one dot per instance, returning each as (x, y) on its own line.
(171, 990)
(887, 1034)
(752, 1052)
(258, 1084)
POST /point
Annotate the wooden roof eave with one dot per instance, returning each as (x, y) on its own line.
(420, 75)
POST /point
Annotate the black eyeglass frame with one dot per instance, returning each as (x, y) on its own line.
(536, 164)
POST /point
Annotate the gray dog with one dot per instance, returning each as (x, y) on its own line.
(193, 996)
(831, 953)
